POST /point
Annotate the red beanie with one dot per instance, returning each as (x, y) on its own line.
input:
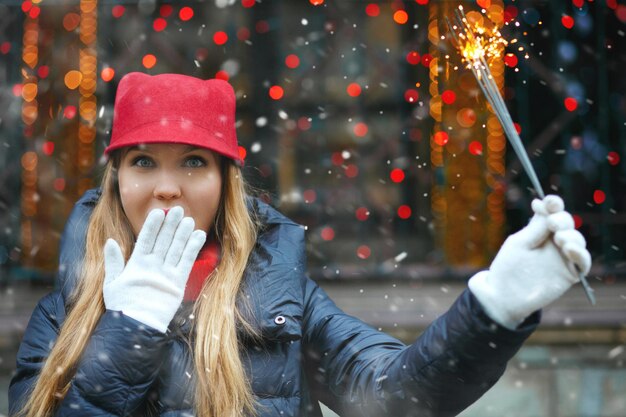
(173, 108)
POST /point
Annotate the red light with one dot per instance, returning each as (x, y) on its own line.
(448, 97)
(5, 47)
(58, 184)
(421, 2)
(518, 128)
(242, 153)
(107, 74)
(372, 10)
(404, 212)
(166, 10)
(570, 104)
(220, 38)
(327, 233)
(360, 129)
(441, 138)
(599, 196)
(243, 34)
(475, 148)
(247, 3)
(613, 158)
(413, 58)
(69, 112)
(118, 11)
(48, 147)
(292, 61)
(276, 92)
(397, 175)
(411, 95)
(567, 21)
(222, 75)
(185, 13)
(510, 13)
(362, 213)
(43, 71)
(304, 123)
(363, 252)
(336, 159)
(510, 60)
(578, 221)
(159, 24)
(352, 171)
(34, 12)
(354, 90)
(426, 58)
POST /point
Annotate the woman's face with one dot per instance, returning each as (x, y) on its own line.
(166, 175)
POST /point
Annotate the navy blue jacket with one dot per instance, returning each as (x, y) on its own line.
(318, 353)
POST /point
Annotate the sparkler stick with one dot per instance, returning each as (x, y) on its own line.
(473, 47)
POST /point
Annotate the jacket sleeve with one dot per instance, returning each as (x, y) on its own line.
(113, 376)
(358, 371)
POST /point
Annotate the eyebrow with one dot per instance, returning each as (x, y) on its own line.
(187, 149)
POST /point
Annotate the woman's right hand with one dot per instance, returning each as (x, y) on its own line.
(150, 287)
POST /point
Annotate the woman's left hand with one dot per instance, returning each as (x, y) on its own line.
(534, 266)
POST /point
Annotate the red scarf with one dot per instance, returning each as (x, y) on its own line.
(205, 263)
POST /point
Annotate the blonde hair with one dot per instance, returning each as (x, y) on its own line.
(222, 388)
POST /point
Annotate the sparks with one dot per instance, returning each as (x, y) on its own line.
(476, 45)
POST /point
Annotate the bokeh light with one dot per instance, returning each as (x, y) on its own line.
(353, 89)
(360, 129)
(327, 233)
(292, 61)
(220, 38)
(107, 74)
(149, 61)
(440, 138)
(400, 17)
(397, 175)
(185, 13)
(363, 252)
(159, 24)
(404, 211)
(413, 58)
(372, 10)
(599, 197)
(73, 79)
(276, 92)
(571, 104)
(118, 11)
(362, 214)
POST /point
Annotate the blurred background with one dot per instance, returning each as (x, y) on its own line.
(358, 120)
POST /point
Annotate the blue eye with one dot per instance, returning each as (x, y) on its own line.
(143, 162)
(195, 162)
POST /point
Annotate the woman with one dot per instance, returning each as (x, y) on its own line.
(150, 320)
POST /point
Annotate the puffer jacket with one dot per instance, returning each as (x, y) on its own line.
(311, 350)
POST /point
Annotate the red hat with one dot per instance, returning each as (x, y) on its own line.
(173, 108)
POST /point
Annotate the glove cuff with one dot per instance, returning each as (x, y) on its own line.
(495, 305)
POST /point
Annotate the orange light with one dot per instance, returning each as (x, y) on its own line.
(149, 61)
(400, 17)
(107, 74)
(29, 92)
(73, 79)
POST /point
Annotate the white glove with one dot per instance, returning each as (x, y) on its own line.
(151, 286)
(534, 266)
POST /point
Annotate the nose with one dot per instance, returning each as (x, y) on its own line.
(167, 188)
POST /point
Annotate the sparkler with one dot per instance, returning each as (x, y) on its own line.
(476, 44)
